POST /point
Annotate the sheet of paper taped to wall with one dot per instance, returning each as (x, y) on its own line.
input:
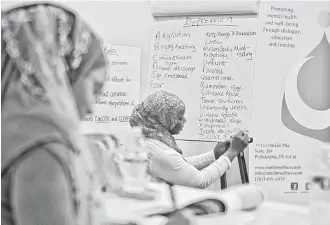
(188, 7)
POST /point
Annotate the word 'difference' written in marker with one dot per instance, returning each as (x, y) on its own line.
(120, 93)
(209, 68)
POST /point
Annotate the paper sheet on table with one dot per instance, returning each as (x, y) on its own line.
(121, 209)
(243, 197)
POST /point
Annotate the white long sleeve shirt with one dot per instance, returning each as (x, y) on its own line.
(197, 171)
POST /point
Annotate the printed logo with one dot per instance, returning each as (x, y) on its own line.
(299, 103)
(294, 186)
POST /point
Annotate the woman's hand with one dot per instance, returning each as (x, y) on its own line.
(221, 148)
(239, 142)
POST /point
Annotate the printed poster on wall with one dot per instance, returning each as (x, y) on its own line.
(291, 99)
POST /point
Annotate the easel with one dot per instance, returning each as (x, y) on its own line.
(242, 169)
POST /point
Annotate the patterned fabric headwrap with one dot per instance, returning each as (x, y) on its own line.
(157, 115)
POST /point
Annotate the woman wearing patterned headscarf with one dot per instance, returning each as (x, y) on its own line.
(52, 68)
(161, 115)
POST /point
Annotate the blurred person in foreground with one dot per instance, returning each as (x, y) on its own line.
(52, 69)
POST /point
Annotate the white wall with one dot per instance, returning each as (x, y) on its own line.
(120, 23)
(129, 23)
(117, 22)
